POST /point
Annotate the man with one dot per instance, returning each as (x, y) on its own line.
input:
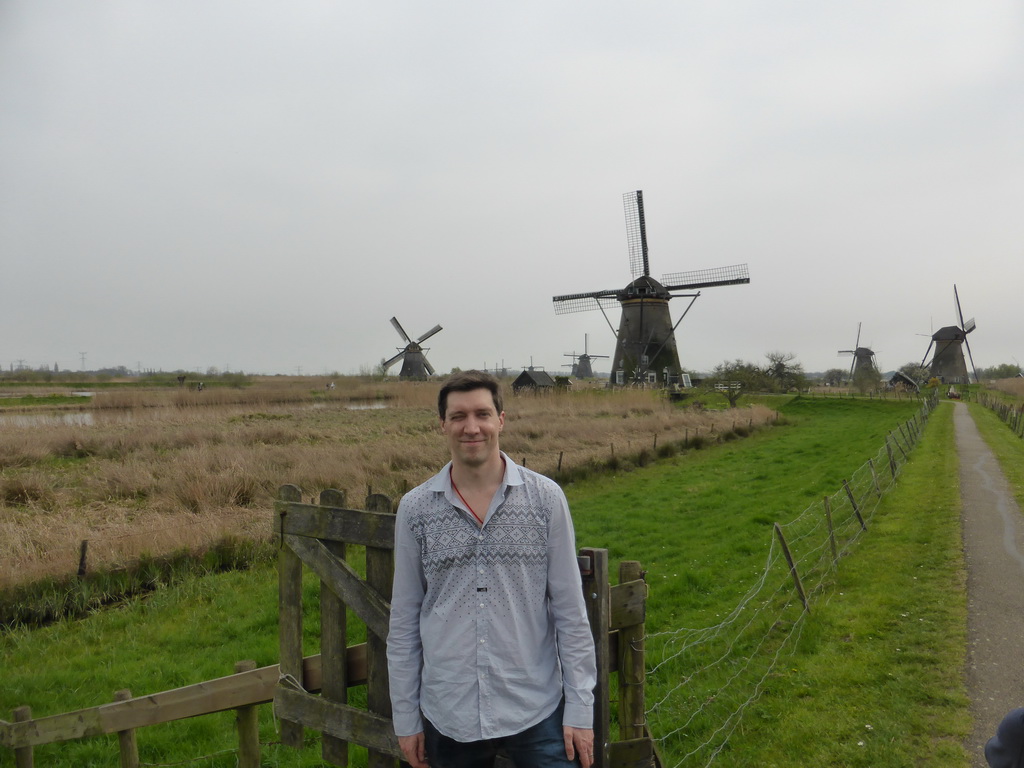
(489, 645)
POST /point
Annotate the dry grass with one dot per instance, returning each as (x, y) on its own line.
(181, 469)
(1014, 386)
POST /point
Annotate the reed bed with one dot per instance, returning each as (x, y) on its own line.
(183, 469)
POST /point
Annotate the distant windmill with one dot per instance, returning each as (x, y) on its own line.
(947, 363)
(414, 361)
(646, 351)
(581, 368)
(863, 357)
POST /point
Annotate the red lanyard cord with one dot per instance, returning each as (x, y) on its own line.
(456, 489)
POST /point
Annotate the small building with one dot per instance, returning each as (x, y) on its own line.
(533, 380)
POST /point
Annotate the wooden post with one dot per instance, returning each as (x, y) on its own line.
(596, 594)
(23, 755)
(632, 673)
(83, 554)
(126, 742)
(560, 454)
(874, 478)
(380, 566)
(333, 643)
(792, 568)
(853, 503)
(290, 615)
(247, 720)
(905, 457)
(831, 530)
(892, 459)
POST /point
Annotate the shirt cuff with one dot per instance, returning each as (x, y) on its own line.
(578, 715)
(408, 723)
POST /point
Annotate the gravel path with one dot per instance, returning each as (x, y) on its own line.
(993, 532)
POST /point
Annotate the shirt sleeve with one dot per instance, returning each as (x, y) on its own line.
(404, 647)
(572, 627)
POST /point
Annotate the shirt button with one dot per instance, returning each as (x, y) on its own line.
(482, 641)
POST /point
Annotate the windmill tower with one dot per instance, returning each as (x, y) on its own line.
(947, 363)
(645, 350)
(414, 360)
(581, 368)
(863, 358)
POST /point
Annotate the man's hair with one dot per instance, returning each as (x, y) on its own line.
(467, 381)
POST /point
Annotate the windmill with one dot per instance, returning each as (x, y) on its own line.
(863, 358)
(645, 350)
(947, 363)
(581, 368)
(414, 362)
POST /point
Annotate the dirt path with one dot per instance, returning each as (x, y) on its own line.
(993, 532)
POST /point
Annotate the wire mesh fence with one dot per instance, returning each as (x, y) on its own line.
(715, 672)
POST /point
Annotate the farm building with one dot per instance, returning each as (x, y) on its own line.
(535, 380)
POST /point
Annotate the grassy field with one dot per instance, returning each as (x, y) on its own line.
(881, 651)
(144, 473)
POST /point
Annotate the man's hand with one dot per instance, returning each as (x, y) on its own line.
(579, 741)
(414, 750)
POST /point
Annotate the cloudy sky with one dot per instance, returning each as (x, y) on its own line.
(260, 186)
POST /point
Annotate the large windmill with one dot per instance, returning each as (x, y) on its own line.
(863, 358)
(947, 363)
(645, 351)
(581, 367)
(414, 360)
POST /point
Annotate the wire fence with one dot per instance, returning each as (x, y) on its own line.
(1011, 414)
(718, 671)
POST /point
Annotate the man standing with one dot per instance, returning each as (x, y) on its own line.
(489, 644)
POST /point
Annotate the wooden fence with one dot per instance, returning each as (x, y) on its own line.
(318, 535)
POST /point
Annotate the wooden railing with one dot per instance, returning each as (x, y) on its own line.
(311, 692)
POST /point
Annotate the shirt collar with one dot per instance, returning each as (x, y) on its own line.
(442, 481)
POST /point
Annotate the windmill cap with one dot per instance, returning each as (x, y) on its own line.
(1006, 748)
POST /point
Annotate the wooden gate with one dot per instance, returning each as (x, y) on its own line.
(319, 535)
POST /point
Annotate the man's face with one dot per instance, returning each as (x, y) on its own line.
(472, 426)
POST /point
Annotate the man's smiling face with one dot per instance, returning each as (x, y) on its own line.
(472, 425)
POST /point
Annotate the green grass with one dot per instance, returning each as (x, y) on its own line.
(43, 401)
(700, 525)
(1008, 448)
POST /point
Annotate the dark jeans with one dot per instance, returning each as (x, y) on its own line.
(542, 746)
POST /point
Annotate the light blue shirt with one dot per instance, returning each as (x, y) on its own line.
(488, 626)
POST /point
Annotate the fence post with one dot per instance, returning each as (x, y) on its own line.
(333, 644)
(892, 459)
(853, 503)
(247, 720)
(632, 716)
(126, 742)
(83, 554)
(831, 530)
(23, 755)
(290, 616)
(792, 568)
(380, 565)
(596, 591)
(874, 478)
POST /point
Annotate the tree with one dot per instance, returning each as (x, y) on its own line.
(733, 378)
(833, 377)
(866, 378)
(1002, 371)
(915, 371)
(783, 373)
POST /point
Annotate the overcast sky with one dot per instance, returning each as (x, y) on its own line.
(260, 186)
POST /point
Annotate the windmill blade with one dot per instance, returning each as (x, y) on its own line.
(737, 274)
(853, 364)
(428, 334)
(582, 302)
(930, 343)
(428, 366)
(857, 343)
(968, 345)
(636, 233)
(401, 330)
(956, 299)
(969, 326)
(388, 363)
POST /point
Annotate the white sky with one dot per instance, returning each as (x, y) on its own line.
(262, 185)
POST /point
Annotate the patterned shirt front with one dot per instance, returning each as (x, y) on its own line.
(488, 626)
